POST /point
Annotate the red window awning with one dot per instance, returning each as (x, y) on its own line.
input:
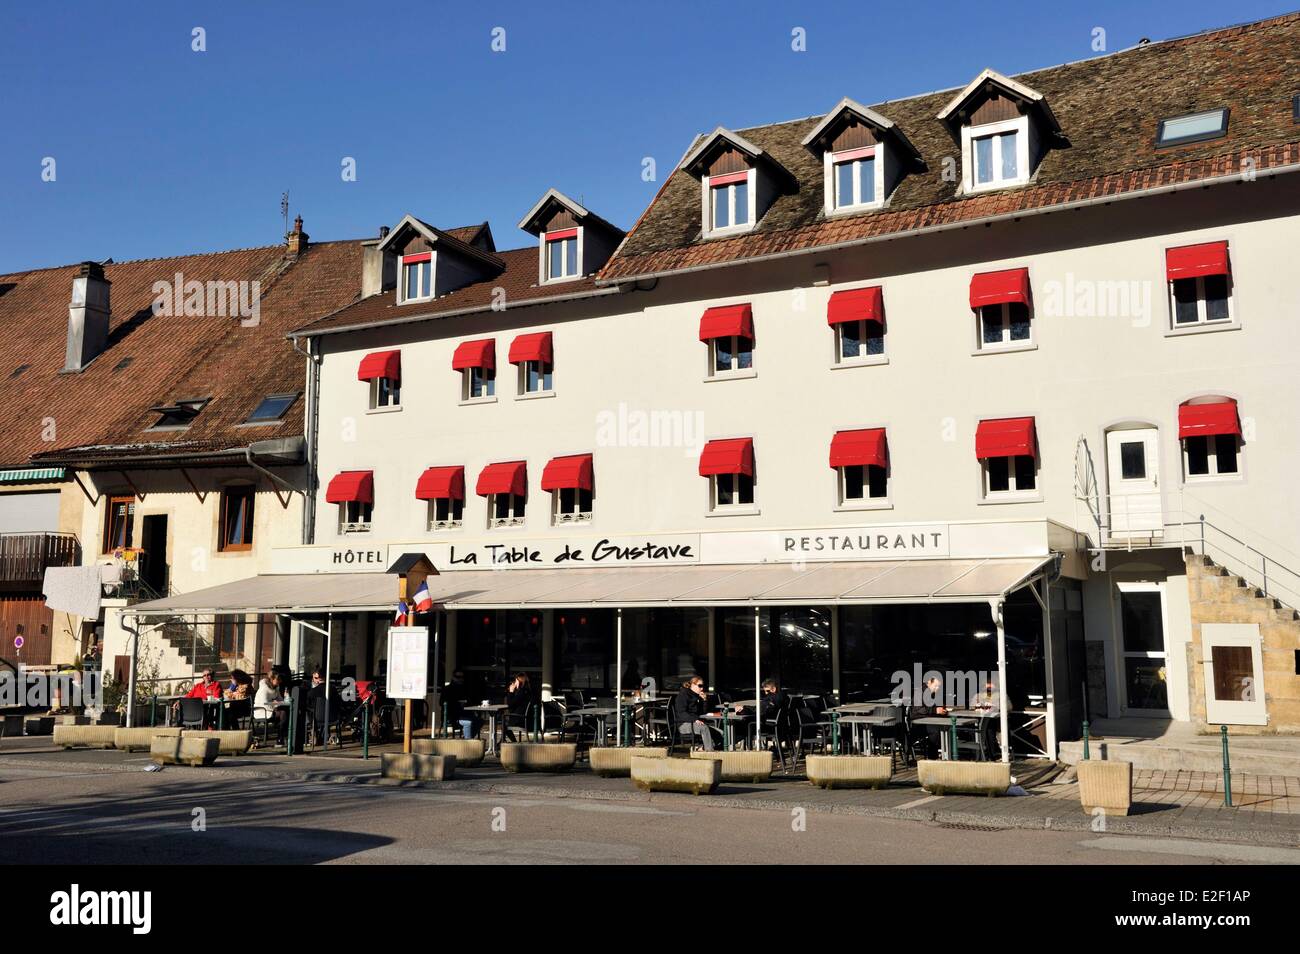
(727, 178)
(417, 257)
(859, 448)
(510, 477)
(562, 473)
(381, 364)
(1191, 261)
(1006, 437)
(996, 288)
(475, 354)
(438, 483)
(856, 304)
(352, 486)
(727, 320)
(1206, 420)
(534, 347)
(561, 234)
(732, 456)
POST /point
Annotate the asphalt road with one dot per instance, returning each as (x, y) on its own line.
(72, 817)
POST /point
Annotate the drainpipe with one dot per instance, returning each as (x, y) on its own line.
(310, 414)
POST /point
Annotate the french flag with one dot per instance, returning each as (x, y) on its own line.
(423, 601)
(403, 617)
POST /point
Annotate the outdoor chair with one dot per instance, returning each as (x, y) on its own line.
(811, 733)
(780, 728)
(523, 721)
(191, 713)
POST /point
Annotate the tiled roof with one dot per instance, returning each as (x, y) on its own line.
(1108, 109)
(518, 282)
(104, 408)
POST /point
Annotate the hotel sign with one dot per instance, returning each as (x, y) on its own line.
(669, 550)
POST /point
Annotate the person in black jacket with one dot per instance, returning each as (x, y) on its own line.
(691, 703)
(518, 697)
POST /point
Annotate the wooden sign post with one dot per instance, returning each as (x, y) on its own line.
(412, 569)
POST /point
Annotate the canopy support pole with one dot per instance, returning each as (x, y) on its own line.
(437, 686)
(1044, 603)
(618, 676)
(758, 685)
(329, 648)
(1003, 716)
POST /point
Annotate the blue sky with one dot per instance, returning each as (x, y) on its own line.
(162, 150)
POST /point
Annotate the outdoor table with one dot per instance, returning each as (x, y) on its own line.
(600, 713)
(629, 702)
(865, 722)
(491, 711)
(979, 715)
(728, 719)
(945, 722)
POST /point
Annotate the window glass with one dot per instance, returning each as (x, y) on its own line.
(850, 339)
(875, 337)
(1185, 311)
(272, 408)
(721, 210)
(1024, 472)
(742, 202)
(999, 473)
(744, 489)
(1216, 297)
(1225, 453)
(1019, 315)
(984, 159)
(991, 321)
(722, 354)
(726, 489)
(1008, 142)
(854, 482)
(1133, 460)
(1198, 456)
(867, 179)
(744, 353)
(843, 183)
(1195, 126)
(877, 481)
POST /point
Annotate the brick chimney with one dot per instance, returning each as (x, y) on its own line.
(89, 312)
(296, 241)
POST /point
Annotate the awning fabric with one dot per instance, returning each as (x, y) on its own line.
(510, 477)
(481, 353)
(1007, 437)
(437, 483)
(352, 486)
(856, 304)
(562, 473)
(1206, 420)
(859, 448)
(726, 321)
(1191, 261)
(533, 347)
(20, 474)
(417, 257)
(381, 364)
(732, 456)
(561, 234)
(996, 288)
(750, 584)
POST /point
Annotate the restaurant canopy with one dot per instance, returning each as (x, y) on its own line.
(753, 584)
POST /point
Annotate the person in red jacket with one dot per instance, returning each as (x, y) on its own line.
(208, 689)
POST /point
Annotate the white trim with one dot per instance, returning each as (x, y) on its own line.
(986, 74)
(830, 179)
(544, 273)
(1020, 126)
(401, 279)
(706, 200)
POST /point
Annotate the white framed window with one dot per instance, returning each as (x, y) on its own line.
(535, 377)
(354, 516)
(1010, 476)
(862, 483)
(731, 492)
(1005, 325)
(729, 202)
(446, 513)
(417, 277)
(855, 179)
(385, 393)
(730, 354)
(859, 342)
(506, 510)
(570, 505)
(996, 154)
(477, 384)
(562, 255)
(1211, 456)
(1202, 301)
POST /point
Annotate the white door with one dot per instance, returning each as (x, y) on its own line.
(1142, 648)
(1133, 481)
(1233, 658)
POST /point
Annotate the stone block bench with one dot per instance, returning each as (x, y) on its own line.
(696, 776)
(417, 766)
(467, 752)
(130, 740)
(964, 778)
(84, 736)
(741, 766)
(538, 756)
(229, 741)
(850, 771)
(182, 750)
(614, 761)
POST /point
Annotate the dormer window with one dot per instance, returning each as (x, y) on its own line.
(731, 199)
(417, 276)
(1004, 128)
(855, 174)
(562, 255)
(864, 156)
(1194, 127)
(995, 156)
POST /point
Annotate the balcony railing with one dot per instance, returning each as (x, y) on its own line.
(24, 556)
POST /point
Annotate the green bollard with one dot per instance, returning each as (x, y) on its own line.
(952, 737)
(835, 733)
(365, 734)
(293, 725)
(724, 727)
(153, 712)
(446, 730)
(1085, 739)
(221, 716)
(1227, 768)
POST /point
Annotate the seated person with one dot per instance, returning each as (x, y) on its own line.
(456, 695)
(266, 704)
(207, 689)
(772, 700)
(519, 696)
(689, 705)
(319, 701)
(927, 703)
(989, 704)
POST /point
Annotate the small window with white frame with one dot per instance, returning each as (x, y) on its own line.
(506, 510)
(1004, 325)
(417, 277)
(730, 354)
(385, 393)
(859, 341)
(731, 491)
(997, 154)
(478, 383)
(535, 377)
(862, 484)
(562, 255)
(354, 516)
(571, 505)
(1010, 476)
(856, 176)
(1201, 301)
(1212, 456)
(730, 206)
(446, 513)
